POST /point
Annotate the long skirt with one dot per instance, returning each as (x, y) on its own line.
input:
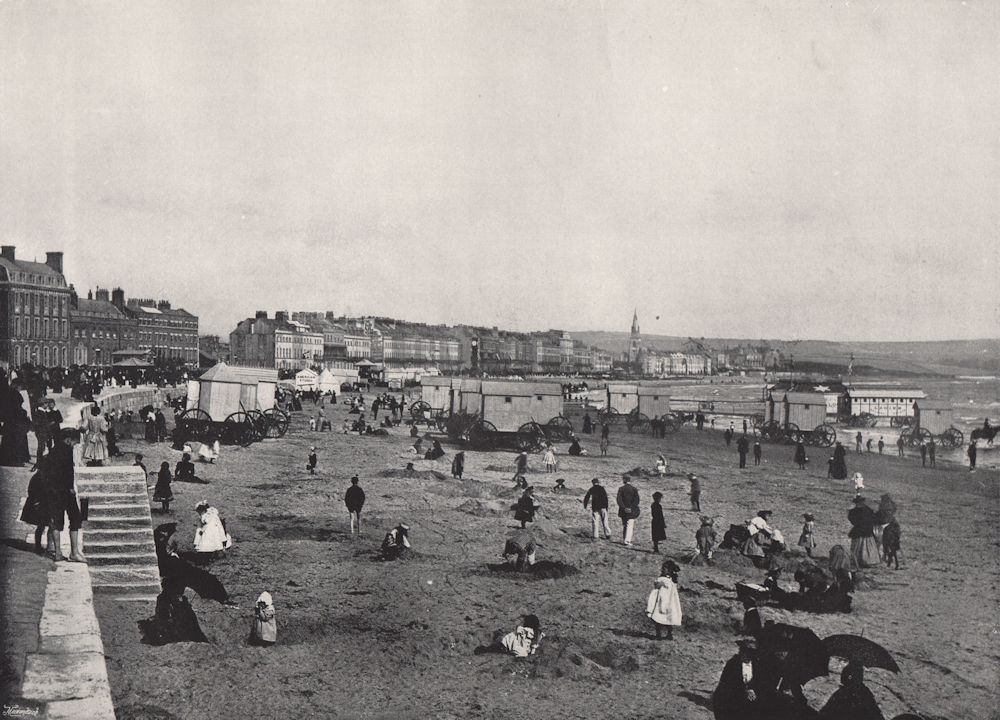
(94, 447)
(864, 551)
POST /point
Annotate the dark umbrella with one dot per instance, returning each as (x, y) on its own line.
(177, 574)
(806, 652)
(863, 651)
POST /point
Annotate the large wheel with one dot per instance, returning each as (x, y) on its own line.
(772, 431)
(952, 437)
(917, 437)
(530, 437)
(559, 429)
(670, 424)
(239, 429)
(757, 422)
(195, 423)
(638, 423)
(483, 435)
(608, 416)
(867, 420)
(793, 434)
(277, 422)
(259, 421)
(420, 411)
(457, 425)
(824, 435)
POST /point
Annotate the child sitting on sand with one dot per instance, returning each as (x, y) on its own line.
(663, 606)
(560, 485)
(521, 643)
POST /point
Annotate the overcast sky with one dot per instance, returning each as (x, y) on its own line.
(779, 169)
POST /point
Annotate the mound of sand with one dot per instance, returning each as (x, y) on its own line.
(541, 570)
(415, 473)
(481, 508)
(575, 662)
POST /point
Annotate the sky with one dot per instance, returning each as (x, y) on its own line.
(738, 169)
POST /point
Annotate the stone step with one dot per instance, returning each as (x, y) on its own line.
(117, 509)
(117, 522)
(132, 594)
(133, 558)
(102, 488)
(103, 547)
(111, 574)
(127, 534)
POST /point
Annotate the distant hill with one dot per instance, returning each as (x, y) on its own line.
(956, 357)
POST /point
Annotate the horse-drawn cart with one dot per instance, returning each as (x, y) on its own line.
(932, 418)
(788, 412)
(234, 405)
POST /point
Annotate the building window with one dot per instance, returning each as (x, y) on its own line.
(45, 355)
(508, 400)
(17, 355)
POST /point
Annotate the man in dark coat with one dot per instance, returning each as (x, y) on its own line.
(628, 508)
(47, 421)
(60, 493)
(972, 455)
(354, 499)
(597, 498)
(742, 447)
(738, 694)
(658, 525)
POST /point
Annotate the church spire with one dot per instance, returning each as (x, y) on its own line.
(634, 340)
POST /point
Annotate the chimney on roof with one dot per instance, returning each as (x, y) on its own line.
(118, 298)
(7, 252)
(281, 316)
(101, 294)
(54, 261)
(163, 305)
(74, 301)
(330, 315)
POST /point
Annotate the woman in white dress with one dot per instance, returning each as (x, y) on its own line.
(211, 535)
(95, 449)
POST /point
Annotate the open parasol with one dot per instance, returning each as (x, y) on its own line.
(806, 652)
(863, 651)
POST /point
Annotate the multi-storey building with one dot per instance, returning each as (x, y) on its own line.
(98, 328)
(398, 344)
(166, 333)
(279, 343)
(34, 310)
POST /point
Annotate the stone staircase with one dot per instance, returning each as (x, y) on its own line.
(118, 533)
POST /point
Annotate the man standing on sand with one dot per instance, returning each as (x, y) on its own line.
(932, 451)
(756, 451)
(742, 447)
(628, 509)
(972, 455)
(597, 498)
(881, 444)
(354, 499)
(857, 441)
(923, 454)
(899, 445)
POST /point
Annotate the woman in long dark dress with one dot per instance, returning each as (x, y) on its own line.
(800, 455)
(864, 548)
(14, 444)
(162, 493)
(658, 524)
(839, 468)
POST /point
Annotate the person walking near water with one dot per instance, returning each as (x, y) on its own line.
(628, 509)
(354, 499)
(597, 497)
(972, 451)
